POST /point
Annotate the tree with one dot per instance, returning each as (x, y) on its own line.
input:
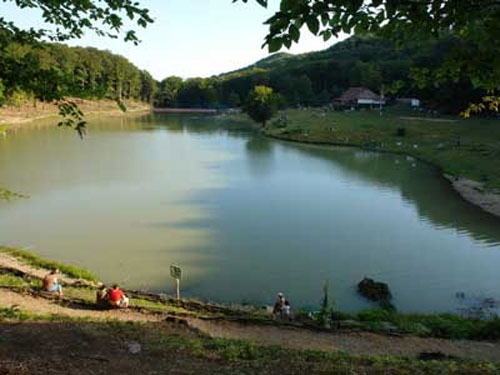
(71, 19)
(261, 104)
(234, 99)
(168, 92)
(473, 25)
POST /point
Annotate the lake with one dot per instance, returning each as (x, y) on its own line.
(244, 216)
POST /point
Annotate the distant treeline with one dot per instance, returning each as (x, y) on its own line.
(71, 71)
(314, 79)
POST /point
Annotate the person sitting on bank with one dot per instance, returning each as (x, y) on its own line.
(278, 305)
(101, 297)
(51, 284)
(287, 314)
(117, 297)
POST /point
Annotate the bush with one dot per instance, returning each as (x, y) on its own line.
(339, 315)
(401, 131)
(490, 330)
(453, 327)
(375, 315)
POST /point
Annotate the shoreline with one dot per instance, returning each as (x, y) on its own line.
(26, 116)
(184, 110)
(468, 189)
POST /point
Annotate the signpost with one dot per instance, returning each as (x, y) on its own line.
(176, 273)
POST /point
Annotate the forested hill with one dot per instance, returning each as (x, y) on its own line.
(311, 79)
(318, 77)
(73, 71)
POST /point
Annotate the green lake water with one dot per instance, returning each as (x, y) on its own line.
(244, 216)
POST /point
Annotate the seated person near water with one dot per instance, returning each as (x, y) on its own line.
(101, 297)
(51, 284)
(117, 298)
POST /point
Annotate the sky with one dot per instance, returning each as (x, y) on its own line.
(190, 38)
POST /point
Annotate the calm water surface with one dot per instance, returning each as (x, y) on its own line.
(244, 216)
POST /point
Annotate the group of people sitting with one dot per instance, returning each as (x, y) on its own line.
(105, 298)
(113, 297)
(282, 308)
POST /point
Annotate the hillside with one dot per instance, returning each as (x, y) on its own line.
(314, 79)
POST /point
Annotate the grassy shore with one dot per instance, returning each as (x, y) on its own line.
(162, 348)
(33, 259)
(377, 320)
(460, 147)
(170, 344)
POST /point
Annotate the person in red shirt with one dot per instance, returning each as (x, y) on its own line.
(117, 298)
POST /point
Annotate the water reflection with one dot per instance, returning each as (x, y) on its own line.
(423, 187)
(259, 156)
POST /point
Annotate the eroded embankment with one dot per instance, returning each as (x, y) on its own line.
(29, 115)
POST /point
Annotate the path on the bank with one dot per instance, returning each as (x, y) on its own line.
(7, 261)
(357, 343)
(42, 306)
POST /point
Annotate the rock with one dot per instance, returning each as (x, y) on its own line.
(134, 347)
(373, 290)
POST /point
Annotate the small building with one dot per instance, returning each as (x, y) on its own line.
(356, 96)
(412, 102)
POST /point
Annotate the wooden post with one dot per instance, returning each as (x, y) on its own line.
(178, 289)
(176, 273)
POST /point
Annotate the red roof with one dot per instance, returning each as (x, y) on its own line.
(355, 93)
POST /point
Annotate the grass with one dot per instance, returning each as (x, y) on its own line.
(14, 314)
(448, 326)
(11, 280)
(459, 147)
(32, 259)
(437, 325)
(222, 356)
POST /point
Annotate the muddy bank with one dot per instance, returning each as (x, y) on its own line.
(473, 192)
(28, 115)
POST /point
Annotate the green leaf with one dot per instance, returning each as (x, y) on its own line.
(312, 24)
(294, 33)
(287, 42)
(274, 45)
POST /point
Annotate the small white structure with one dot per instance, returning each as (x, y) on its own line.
(413, 102)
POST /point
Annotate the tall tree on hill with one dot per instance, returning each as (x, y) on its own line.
(262, 104)
(474, 25)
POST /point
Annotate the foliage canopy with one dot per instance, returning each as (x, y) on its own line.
(261, 104)
(475, 24)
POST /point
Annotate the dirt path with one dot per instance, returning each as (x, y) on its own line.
(360, 343)
(45, 306)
